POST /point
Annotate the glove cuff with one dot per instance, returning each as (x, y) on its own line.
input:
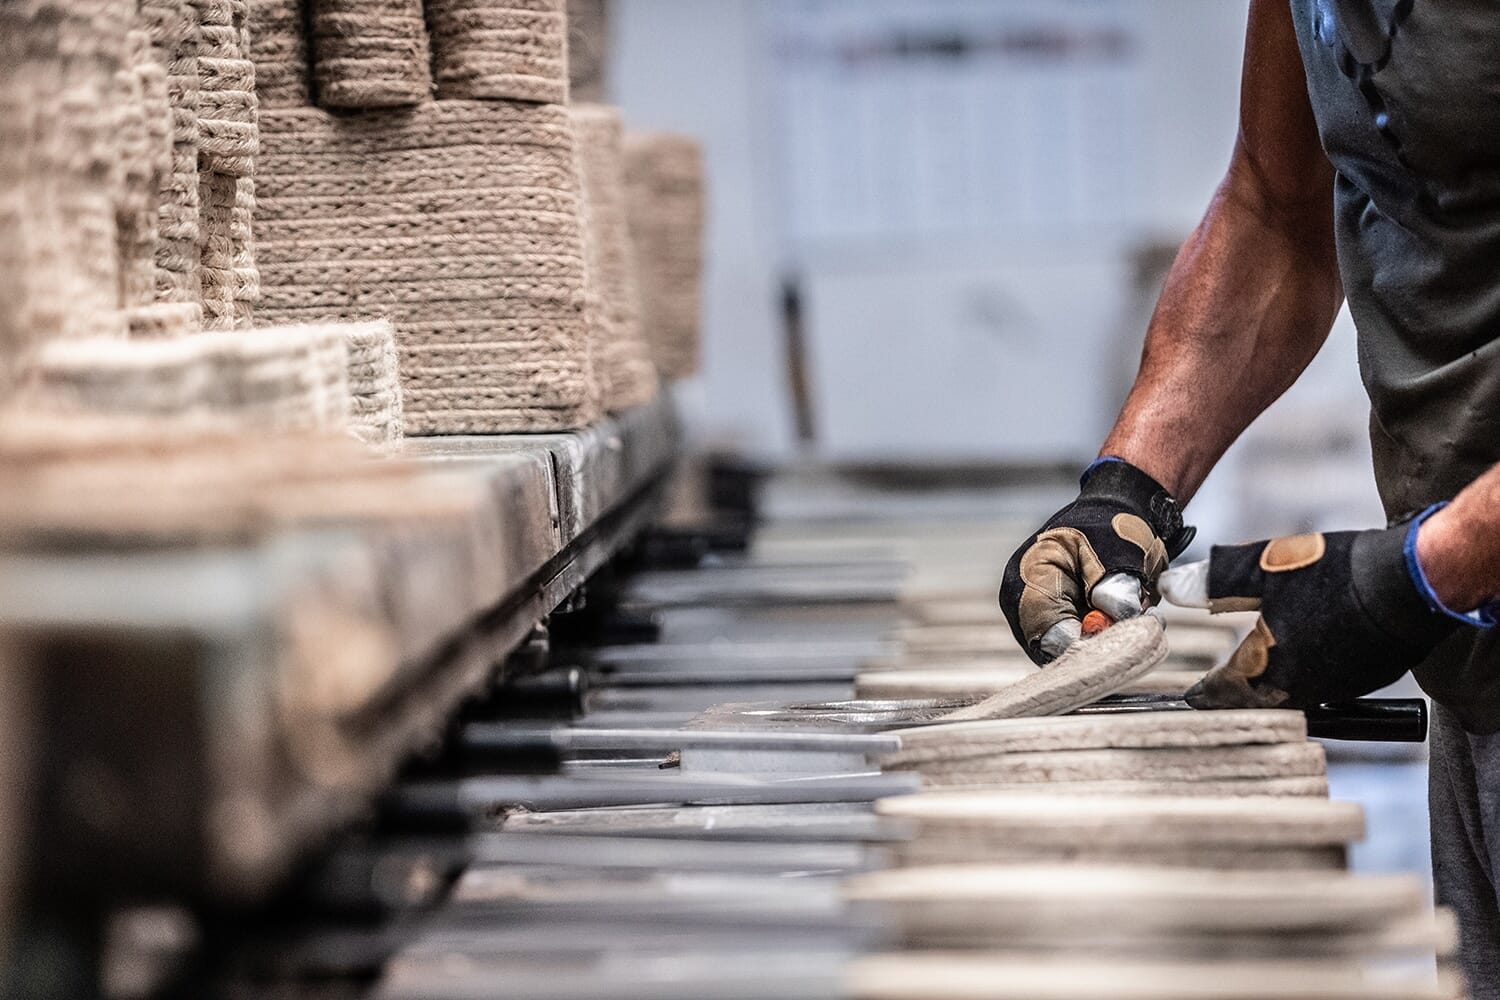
(1114, 479)
(1483, 617)
(1387, 590)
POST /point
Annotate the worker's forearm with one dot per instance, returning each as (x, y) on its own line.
(1249, 301)
(1459, 546)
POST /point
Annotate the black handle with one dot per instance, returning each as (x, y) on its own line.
(1380, 720)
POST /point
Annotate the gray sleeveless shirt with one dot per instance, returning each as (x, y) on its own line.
(1406, 94)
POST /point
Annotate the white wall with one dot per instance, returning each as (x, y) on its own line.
(694, 66)
(909, 340)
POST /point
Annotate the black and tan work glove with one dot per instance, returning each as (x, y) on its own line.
(1342, 614)
(1123, 522)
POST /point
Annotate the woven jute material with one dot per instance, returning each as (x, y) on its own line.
(61, 67)
(588, 49)
(979, 682)
(76, 478)
(178, 231)
(216, 197)
(374, 382)
(227, 142)
(1306, 786)
(164, 320)
(623, 358)
(272, 379)
(965, 904)
(1088, 671)
(665, 201)
(143, 134)
(985, 826)
(278, 47)
(1162, 764)
(246, 288)
(457, 220)
(370, 53)
(1139, 731)
(977, 975)
(500, 49)
(227, 137)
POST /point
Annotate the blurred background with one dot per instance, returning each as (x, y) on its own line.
(938, 229)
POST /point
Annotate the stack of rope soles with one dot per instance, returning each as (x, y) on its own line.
(664, 177)
(460, 221)
(622, 357)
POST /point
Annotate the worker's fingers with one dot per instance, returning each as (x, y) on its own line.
(1186, 586)
(1056, 574)
(1241, 682)
(1119, 596)
(1058, 638)
(1136, 532)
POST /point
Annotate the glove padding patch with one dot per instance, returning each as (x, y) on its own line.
(1340, 618)
(1283, 555)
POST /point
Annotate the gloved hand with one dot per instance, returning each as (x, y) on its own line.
(1122, 522)
(1342, 614)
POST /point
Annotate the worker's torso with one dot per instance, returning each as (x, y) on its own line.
(1407, 98)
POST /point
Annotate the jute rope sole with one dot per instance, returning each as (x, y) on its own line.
(1087, 672)
(459, 221)
(374, 383)
(1312, 787)
(941, 975)
(665, 203)
(1190, 645)
(271, 379)
(1147, 730)
(91, 479)
(500, 50)
(990, 902)
(1185, 765)
(588, 49)
(370, 53)
(622, 356)
(61, 176)
(278, 47)
(979, 683)
(1248, 833)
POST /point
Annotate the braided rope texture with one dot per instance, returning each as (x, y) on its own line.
(500, 49)
(293, 378)
(626, 371)
(228, 141)
(62, 64)
(173, 25)
(374, 382)
(87, 478)
(278, 47)
(588, 49)
(665, 201)
(370, 53)
(458, 220)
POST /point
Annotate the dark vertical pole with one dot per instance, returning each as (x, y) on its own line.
(797, 373)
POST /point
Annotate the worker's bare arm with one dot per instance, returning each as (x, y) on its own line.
(1254, 290)
(1459, 546)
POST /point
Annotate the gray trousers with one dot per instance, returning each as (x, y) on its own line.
(1463, 797)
